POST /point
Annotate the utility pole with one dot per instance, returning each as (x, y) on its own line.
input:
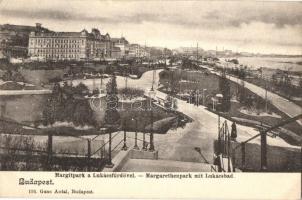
(151, 148)
(109, 161)
(93, 84)
(125, 137)
(145, 52)
(89, 153)
(101, 86)
(49, 151)
(219, 135)
(153, 79)
(263, 150)
(197, 53)
(265, 97)
(203, 97)
(126, 80)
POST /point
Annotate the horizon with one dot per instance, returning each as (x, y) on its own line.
(254, 27)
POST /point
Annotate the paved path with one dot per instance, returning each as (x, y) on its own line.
(284, 105)
(180, 144)
(23, 92)
(144, 165)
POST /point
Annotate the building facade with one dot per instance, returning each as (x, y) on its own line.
(121, 43)
(116, 53)
(134, 51)
(138, 51)
(69, 45)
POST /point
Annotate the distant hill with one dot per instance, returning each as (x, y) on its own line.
(17, 35)
(21, 28)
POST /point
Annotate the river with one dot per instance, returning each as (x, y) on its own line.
(271, 63)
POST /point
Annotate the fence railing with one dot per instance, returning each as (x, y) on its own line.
(103, 154)
(263, 134)
(224, 147)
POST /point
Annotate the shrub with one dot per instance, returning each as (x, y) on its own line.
(130, 93)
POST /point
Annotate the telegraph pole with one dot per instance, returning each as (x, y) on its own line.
(197, 53)
(93, 84)
(101, 86)
(126, 81)
(265, 97)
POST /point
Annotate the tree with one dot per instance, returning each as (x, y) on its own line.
(10, 75)
(274, 78)
(83, 114)
(112, 117)
(109, 70)
(48, 115)
(242, 92)
(174, 82)
(81, 89)
(63, 105)
(54, 108)
(242, 73)
(57, 102)
(167, 52)
(224, 86)
(249, 101)
(7, 76)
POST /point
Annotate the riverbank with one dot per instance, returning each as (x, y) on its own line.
(278, 76)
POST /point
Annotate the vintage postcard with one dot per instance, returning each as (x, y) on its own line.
(150, 99)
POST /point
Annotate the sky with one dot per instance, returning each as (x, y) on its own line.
(250, 26)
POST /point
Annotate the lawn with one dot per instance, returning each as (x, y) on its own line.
(199, 80)
(273, 88)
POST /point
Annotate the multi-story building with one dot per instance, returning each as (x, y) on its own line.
(137, 51)
(69, 45)
(145, 52)
(116, 53)
(121, 43)
(134, 51)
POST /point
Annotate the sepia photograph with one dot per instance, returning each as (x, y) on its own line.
(151, 86)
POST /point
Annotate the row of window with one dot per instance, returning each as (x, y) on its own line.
(56, 46)
(61, 56)
(57, 55)
(65, 41)
(56, 51)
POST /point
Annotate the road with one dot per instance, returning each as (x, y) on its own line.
(284, 105)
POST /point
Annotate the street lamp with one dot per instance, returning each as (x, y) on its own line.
(214, 102)
(109, 163)
(144, 137)
(135, 144)
(144, 141)
(203, 96)
(125, 137)
(152, 94)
